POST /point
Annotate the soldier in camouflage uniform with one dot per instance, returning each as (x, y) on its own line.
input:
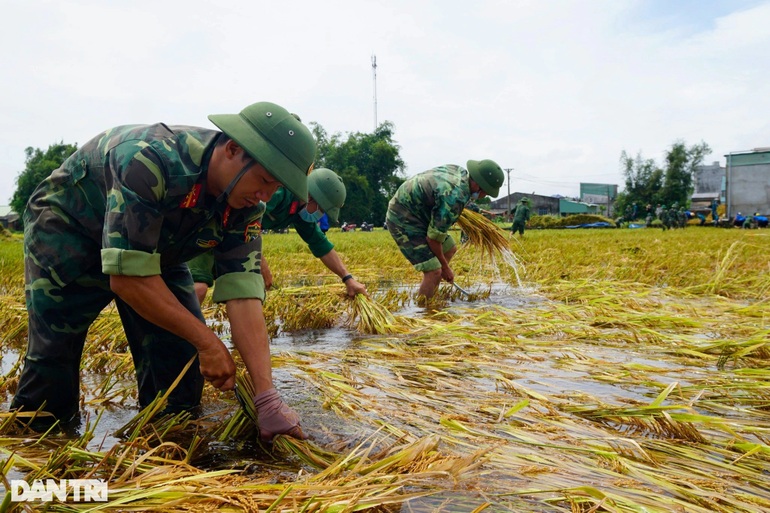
(673, 216)
(326, 194)
(520, 216)
(663, 216)
(119, 219)
(426, 206)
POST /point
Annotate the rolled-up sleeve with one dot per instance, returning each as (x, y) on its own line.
(245, 285)
(237, 262)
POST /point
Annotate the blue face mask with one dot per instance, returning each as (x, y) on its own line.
(308, 217)
(475, 195)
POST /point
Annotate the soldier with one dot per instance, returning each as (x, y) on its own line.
(663, 216)
(520, 216)
(326, 194)
(673, 215)
(682, 216)
(648, 216)
(749, 221)
(118, 220)
(426, 206)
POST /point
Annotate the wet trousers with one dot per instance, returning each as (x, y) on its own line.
(59, 319)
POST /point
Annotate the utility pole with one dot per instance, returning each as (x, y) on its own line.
(374, 81)
(508, 212)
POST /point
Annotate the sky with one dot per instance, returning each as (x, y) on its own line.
(552, 90)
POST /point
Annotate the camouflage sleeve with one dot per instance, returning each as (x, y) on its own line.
(135, 184)
(237, 261)
(444, 214)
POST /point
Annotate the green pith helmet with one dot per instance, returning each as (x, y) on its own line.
(525, 200)
(326, 187)
(487, 174)
(274, 138)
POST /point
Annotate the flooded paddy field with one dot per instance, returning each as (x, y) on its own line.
(617, 370)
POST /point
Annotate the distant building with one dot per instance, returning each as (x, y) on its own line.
(747, 179)
(569, 207)
(709, 184)
(9, 219)
(602, 194)
(539, 205)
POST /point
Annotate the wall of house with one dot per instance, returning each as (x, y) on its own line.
(748, 183)
(708, 178)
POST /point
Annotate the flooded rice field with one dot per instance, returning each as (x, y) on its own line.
(592, 379)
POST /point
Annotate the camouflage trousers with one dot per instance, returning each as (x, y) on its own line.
(413, 246)
(59, 318)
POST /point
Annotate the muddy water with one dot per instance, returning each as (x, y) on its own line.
(540, 376)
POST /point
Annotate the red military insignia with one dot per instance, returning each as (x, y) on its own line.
(203, 243)
(252, 231)
(192, 197)
(293, 207)
(226, 216)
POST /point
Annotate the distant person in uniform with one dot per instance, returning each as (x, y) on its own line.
(521, 216)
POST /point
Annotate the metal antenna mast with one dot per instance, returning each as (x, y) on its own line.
(374, 79)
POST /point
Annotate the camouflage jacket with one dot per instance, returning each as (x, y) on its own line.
(283, 210)
(431, 201)
(133, 199)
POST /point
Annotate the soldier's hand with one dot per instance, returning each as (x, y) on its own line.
(217, 366)
(275, 417)
(447, 274)
(354, 287)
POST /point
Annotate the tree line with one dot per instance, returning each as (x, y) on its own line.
(648, 183)
(371, 166)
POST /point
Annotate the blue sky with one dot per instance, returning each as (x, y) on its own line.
(554, 89)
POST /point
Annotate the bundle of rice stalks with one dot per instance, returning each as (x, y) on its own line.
(135, 427)
(304, 308)
(483, 233)
(244, 391)
(368, 316)
(307, 451)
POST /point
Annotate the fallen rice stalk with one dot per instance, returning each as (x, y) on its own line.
(368, 316)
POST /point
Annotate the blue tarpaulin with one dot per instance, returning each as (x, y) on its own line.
(600, 224)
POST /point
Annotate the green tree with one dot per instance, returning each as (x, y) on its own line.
(644, 181)
(647, 183)
(370, 166)
(38, 165)
(681, 162)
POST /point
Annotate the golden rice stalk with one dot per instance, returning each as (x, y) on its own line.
(133, 428)
(483, 233)
(371, 317)
(244, 391)
(307, 451)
